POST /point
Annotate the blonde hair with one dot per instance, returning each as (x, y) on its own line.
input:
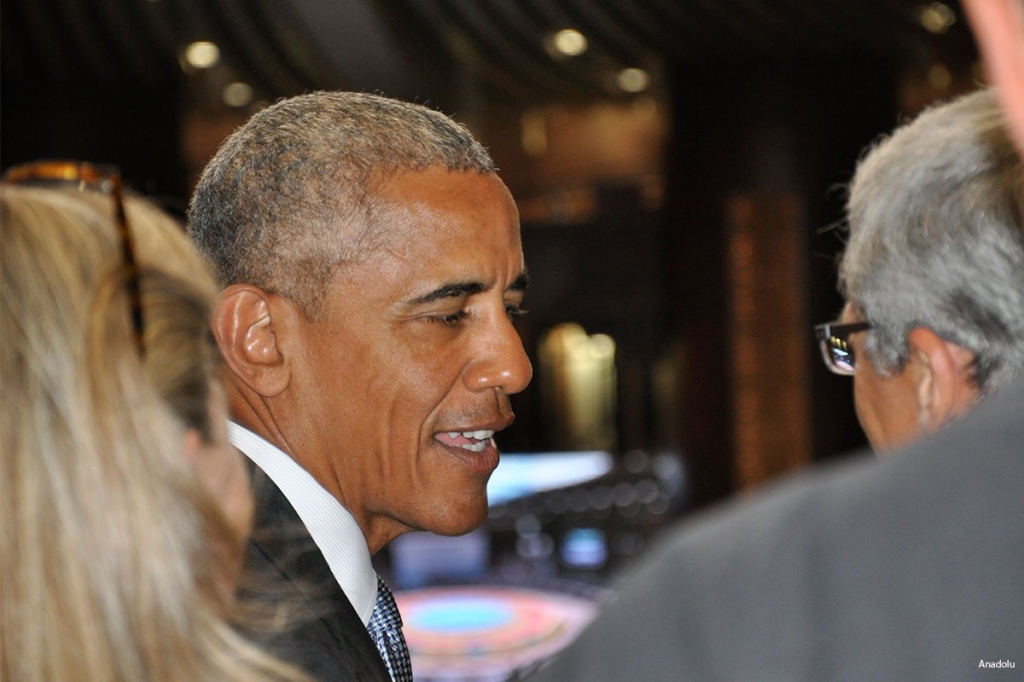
(112, 552)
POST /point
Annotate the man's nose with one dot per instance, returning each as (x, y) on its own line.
(501, 361)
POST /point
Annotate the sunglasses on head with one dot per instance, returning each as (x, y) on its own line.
(101, 178)
(834, 341)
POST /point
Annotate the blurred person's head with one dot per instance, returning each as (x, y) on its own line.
(124, 509)
(371, 259)
(999, 28)
(934, 270)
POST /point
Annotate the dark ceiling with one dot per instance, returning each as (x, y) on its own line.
(411, 48)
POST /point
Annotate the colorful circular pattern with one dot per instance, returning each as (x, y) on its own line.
(459, 632)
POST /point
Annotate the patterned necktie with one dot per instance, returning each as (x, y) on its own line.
(386, 630)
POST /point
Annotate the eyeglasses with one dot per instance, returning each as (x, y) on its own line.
(105, 179)
(835, 345)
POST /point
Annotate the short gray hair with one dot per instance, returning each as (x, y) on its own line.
(289, 196)
(936, 221)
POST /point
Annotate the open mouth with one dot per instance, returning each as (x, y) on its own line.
(474, 441)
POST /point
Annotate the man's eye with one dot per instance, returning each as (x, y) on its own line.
(450, 320)
(514, 311)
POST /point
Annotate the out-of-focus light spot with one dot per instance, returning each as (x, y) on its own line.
(570, 42)
(237, 94)
(535, 132)
(633, 80)
(937, 17)
(202, 54)
(939, 76)
(602, 346)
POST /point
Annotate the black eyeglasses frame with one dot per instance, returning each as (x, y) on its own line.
(833, 338)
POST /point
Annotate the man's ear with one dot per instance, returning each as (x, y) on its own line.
(941, 371)
(247, 328)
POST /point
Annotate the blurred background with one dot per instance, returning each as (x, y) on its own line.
(679, 168)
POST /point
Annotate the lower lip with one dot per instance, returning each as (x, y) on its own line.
(483, 462)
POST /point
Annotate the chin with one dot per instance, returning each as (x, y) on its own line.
(459, 521)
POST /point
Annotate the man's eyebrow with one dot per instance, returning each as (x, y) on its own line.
(465, 289)
(521, 283)
(453, 290)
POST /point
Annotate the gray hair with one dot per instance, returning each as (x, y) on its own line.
(936, 220)
(290, 195)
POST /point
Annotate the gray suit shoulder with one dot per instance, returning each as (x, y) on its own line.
(907, 567)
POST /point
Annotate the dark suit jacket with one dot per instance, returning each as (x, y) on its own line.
(322, 634)
(906, 568)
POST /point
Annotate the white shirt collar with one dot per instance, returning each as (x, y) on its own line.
(332, 527)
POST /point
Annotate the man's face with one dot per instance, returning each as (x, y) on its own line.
(408, 369)
(887, 407)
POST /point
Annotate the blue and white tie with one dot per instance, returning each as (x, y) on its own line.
(386, 630)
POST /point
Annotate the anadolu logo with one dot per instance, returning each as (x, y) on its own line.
(996, 664)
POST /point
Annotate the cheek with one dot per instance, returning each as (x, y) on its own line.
(862, 391)
(869, 400)
(861, 404)
(236, 496)
(392, 386)
(886, 409)
(418, 375)
(393, 404)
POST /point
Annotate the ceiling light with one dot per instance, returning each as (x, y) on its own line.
(202, 54)
(570, 42)
(937, 17)
(237, 94)
(633, 80)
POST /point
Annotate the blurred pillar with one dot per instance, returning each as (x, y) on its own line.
(769, 330)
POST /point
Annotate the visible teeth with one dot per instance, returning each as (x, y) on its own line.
(478, 440)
